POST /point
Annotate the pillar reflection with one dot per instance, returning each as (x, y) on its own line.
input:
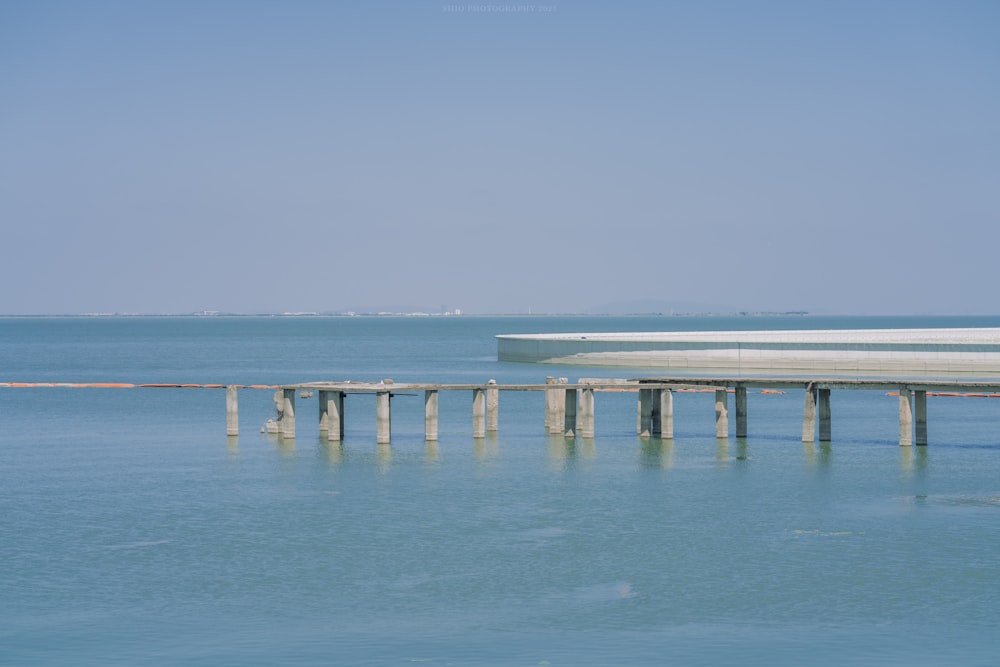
(383, 456)
(742, 451)
(657, 453)
(722, 452)
(912, 460)
(431, 451)
(561, 451)
(334, 452)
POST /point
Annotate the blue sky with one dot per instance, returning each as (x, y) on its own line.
(170, 157)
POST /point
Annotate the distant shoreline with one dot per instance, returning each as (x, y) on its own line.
(465, 315)
(446, 314)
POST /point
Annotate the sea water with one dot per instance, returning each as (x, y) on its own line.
(133, 531)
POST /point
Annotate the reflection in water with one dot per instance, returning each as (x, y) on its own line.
(233, 444)
(741, 449)
(383, 457)
(616, 590)
(486, 448)
(722, 452)
(561, 450)
(912, 459)
(431, 451)
(657, 453)
(285, 445)
(334, 452)
(813, 457)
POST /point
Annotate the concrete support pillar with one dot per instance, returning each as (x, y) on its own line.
(667, 414)
(431, 415)
(585, 419)
(552, 425)
(324, 417)
(334, 415)
(721, 413)
(288, 413)
(492, 407)
(905, 418)
(655, 424)
(559, 424)
(809, 416)
(383, 418)
(645, 427)
(741, 411)
(232, 412)
(825, 418)
(638, 414)
(920, 414)
(478, 413)
(569, 413)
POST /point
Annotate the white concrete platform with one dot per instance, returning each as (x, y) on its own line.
(925, 352)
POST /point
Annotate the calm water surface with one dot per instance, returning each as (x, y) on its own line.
(132, 531)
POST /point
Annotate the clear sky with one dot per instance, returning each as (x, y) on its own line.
(245, 156)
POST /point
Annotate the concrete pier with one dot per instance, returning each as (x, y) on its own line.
(492, 407)
(552, 417)
(232, 412)
(569, 413)
(825, 421)
(655, 423)
(332, 409)
(478, 413)
(383, 419)
(585, 418)
(324, 414)
(570, 408)
(741, 411)
(721, 413)
(644, 427)
(287, 422)
(920, 416)
(666, 414)
(905, 418)
(431, 415)
(555, 405)
(809, 415)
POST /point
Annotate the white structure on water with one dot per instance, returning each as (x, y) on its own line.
(858, 351)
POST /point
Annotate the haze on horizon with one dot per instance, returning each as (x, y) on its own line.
(174, 157)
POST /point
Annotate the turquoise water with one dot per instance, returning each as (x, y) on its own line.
(133, 531)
